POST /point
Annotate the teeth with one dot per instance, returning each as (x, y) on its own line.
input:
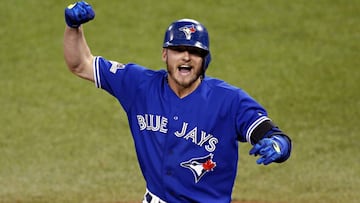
(187, 67)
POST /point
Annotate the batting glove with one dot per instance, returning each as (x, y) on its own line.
(78, 13)
(274, 149)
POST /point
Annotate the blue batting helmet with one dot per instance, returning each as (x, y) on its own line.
(188, 32)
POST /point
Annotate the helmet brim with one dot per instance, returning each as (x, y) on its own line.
(190, 43)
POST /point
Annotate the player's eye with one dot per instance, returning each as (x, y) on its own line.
(178, 48)
(192, 50)
(196, 51)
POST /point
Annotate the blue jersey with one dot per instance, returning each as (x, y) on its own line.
(187, 148)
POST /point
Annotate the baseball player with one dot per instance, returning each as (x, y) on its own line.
(186, 126)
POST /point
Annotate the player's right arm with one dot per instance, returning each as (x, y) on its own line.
(77, 53)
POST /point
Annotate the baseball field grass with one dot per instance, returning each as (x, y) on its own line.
(63, 140)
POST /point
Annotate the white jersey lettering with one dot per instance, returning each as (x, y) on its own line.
(148, 122)
(194, 137)
(204, 137)
(183, 130)
(212, 144)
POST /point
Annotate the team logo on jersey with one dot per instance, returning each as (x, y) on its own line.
(200, 166)
(188, 30)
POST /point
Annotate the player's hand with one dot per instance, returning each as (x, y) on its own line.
(270, 150)
(78, 13)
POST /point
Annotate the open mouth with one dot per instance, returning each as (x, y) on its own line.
(184, 68)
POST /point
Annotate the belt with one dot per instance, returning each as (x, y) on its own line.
(151, 198)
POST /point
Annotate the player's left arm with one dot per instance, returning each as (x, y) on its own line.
(270, 143)
(77, 53)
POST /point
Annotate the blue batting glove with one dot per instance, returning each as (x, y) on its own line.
(78, 13)
(271, 149)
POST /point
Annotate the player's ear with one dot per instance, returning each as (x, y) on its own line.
(164, 55)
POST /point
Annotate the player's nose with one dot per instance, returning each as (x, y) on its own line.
(186, 55)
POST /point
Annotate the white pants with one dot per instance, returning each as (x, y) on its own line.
(151, 198)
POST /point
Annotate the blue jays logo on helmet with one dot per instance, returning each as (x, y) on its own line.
(200, 166)
(188, 32)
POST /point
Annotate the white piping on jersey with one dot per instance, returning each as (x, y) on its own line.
(96, 72)
(253, 127)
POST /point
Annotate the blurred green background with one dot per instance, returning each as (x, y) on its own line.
(63, 140)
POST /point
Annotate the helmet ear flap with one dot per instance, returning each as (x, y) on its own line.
(206, 62)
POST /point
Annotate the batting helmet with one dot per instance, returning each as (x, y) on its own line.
(188, 32)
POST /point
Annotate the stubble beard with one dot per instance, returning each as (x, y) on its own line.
(184, 82)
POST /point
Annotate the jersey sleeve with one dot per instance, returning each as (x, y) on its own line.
(120, 80)
(249, 115)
